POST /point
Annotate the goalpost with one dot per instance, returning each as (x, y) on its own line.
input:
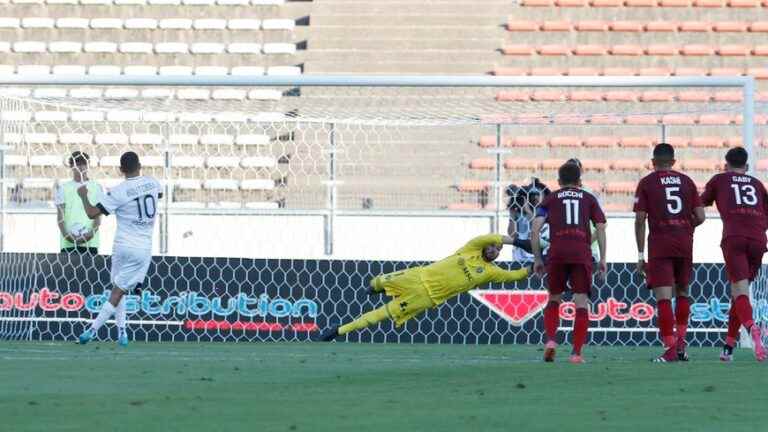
(284, 195)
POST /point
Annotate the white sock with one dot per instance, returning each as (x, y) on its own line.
(104, 314)
(120, 315)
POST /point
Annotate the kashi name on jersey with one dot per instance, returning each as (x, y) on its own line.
(670, 180)
(741, 179)
(570, 194)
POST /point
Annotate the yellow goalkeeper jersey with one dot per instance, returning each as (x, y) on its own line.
(466, 269)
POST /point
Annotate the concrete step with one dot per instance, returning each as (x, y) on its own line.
(394, 68)
(328, 43)
(396, 19)
(446, 56)
(426, 7)
(357, 31)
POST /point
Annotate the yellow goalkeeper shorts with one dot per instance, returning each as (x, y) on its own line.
(410, 297)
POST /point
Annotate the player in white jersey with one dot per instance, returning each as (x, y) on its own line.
(134, 202)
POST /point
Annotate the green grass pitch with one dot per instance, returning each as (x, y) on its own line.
(354, 387)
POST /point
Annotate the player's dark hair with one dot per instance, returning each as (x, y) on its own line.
(78, 158)
(664, 152)
(574, 161)
(737, 157)
(129, 162)
(569, 174)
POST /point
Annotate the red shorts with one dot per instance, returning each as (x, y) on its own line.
(559, 274)
(743, 257)
(669, 271)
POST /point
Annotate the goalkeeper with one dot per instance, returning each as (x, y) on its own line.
(417, 289)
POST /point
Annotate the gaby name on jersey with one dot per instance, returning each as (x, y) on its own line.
(185, 303)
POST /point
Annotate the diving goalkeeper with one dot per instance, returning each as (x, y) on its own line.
(417, 289)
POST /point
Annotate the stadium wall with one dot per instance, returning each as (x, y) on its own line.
(302, 237)
(52, 296)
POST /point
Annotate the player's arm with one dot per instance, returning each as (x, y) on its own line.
(602, 245)
(91, 211)
(698, 216)
(538, 260)
(640, 219)
(708, 196)
(503, 276)
(479, 242)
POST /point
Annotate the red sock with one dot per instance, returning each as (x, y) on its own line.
(580, 326)
(733, 328)
(666, 323)
(551, 320)
(682, 313)
(744, 311)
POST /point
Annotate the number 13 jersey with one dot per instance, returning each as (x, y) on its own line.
(668, 197)
(741, 201)
(134, 203)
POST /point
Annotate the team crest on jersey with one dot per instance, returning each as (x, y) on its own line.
(479, 270)
(461, 261)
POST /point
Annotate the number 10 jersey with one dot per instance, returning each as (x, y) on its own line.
(134, 203)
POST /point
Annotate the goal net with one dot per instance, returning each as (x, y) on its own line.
(283, 197)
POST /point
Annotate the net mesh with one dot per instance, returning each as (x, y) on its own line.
(269, 172)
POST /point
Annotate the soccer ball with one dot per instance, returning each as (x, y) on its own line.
(78, 230)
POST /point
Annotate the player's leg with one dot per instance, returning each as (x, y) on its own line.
(683, 271)
(107, 310)
(734, 324)
(557, 278)
(393, 284)
(661, 280)
(120, 320)
(581, 283)
(743, 260)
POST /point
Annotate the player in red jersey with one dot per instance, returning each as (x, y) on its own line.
(570, 212)
(743, 205)
(670, 203)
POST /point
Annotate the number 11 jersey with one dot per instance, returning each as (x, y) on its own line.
(134, 203)
(668, 197)
(570, 213)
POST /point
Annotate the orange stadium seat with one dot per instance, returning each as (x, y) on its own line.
(590, 50)
(522, 25)
(621, 96)
(586, 96)
(518, 50)
(565, 141)
(694, 96)
(532, 118)
(554, 95)
(593, 185)
(521, 164)
(583, 71)
(678, 119)
(678, 142)
(675, 3)
(641, 119)
(606, 119)
(727, 96)
(621, 187)
(733, 50)
(760, 50)
(700, 165)
(696, 50)
(545, 71)
(489, 141)
(730, 27)
(629, 165)
(637, 141)
(724, 71)
(661, 50)
(706, 142)
(591, 26)
(571, 3)
(617, 207)
(716, 119)
(743, 3)
(464, 206)
(619, 71)
(640, 3)
(759, 27)
(606, 3)
(655, 71)
(513, 96)
(599, 165)
(709, 3)
(570, 119)
(537, 3)
(762, 165)
(657, 96)
(552, 164)
(661, 26)
(528, 141)
(761, 96)
(601, 142)
(553, 50)
(473, 186)
(509, 71)
(733, 141)
(556, 26)
(626, 26)
(482, 164)
(626, 50)
(695, 26)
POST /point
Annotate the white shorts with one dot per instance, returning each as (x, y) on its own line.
(129, 267)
